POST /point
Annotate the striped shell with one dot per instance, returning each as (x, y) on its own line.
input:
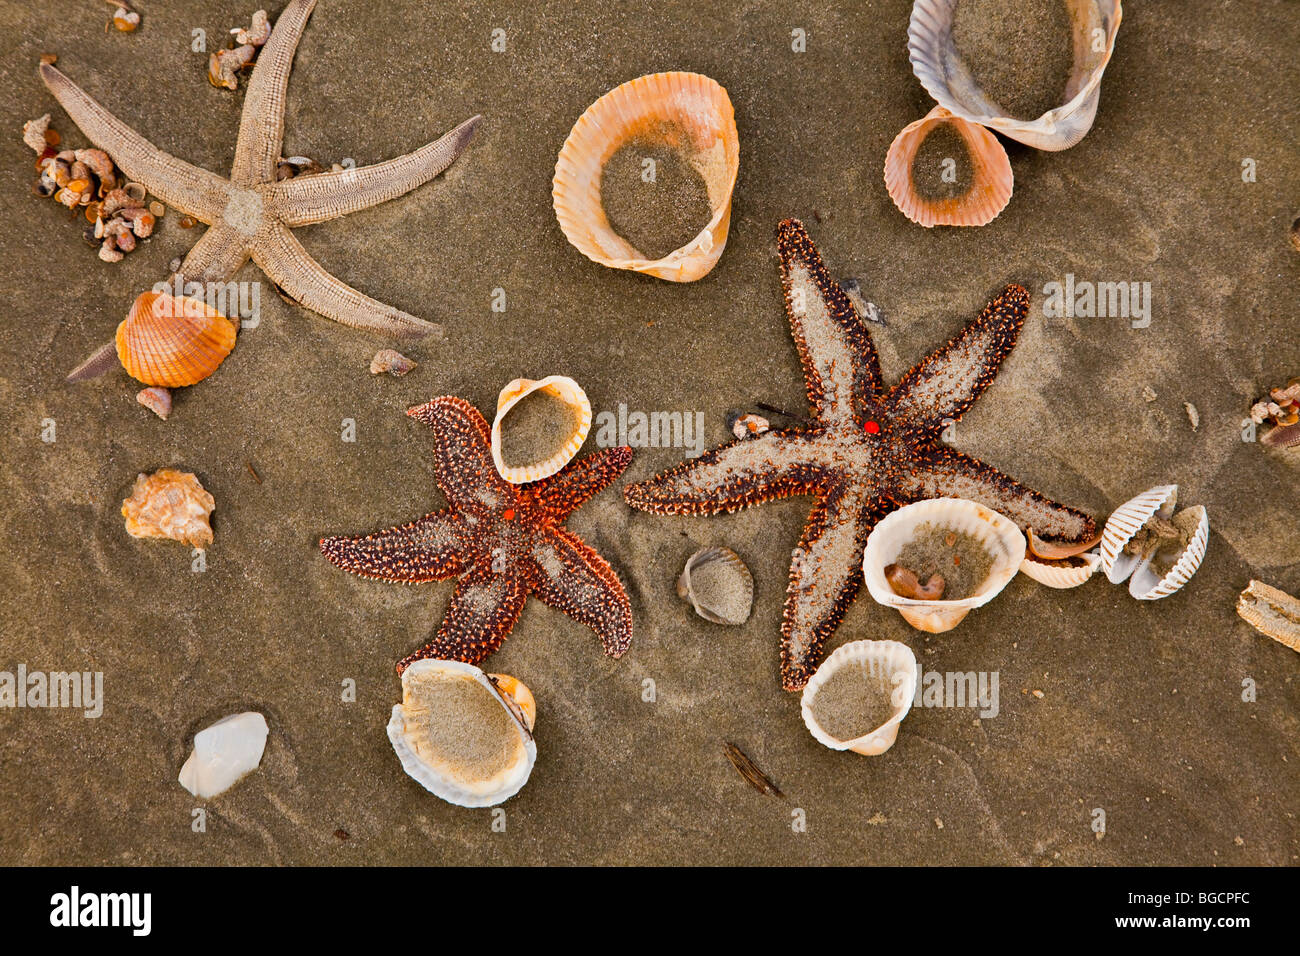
(171, 341)
(568, 391)
(893, 665)
(1147, 585)
(938, 66)
(685, 111)
(718, 585)
(991, 177)
(1061, 573)
(441, 779)
(1127, 521)
(1143, 581)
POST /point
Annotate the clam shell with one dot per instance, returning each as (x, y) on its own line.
(1147, 585)
(441, 779)
(693, 104)
(890, 662)
(718, 585)
(171, 341)
(998, 533)
(1060, 574)
(1126, 521)
(938, 66)
(568, 391)
(991, 177)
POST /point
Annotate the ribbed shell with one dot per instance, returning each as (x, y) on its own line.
(891, 663)
(726, 599)
(991, 179)
(641, 107)
(1056, 574)
(172, 341)
(568, 391)
(1125, 522)
(940, 70)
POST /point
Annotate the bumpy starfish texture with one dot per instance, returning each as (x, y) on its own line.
(866, 452)
(502, 541)
(250, 214)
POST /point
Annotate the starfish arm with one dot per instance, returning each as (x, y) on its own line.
(565, 492)
(483, 611)
(824, 579)
(734, 476)
(261, 127)
(952, 474)
(462, 456)
(192, 190)
(311, 199)
(282, 257)
(946, 382)
(218, 255)
(840, 366)
(431, 548)
(571, 577)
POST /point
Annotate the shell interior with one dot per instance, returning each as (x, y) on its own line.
(567, 391)
(687, 112)
(718, 585)
(458, 736)
(885, 675)
(1126, 521)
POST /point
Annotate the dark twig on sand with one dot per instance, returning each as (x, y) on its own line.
(749, 770)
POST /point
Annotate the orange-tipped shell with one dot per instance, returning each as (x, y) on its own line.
(991, 179)
(172, 341)
(685, 111)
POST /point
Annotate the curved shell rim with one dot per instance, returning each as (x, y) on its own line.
(516, 391)
(690, 596)
(887, 732)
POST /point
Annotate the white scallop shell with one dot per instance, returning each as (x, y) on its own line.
(893, 664)
(568, 391)
(455, 789)
(939, 68)
(1056, 575)
(998, 533)
(1126, 521)
(1146, 585)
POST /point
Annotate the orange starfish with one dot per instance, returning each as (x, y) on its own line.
(502, 541)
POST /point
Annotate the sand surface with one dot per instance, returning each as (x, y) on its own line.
(1140, 712)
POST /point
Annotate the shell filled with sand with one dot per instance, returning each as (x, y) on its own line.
(860, 695)
(945, 171)
(974, 549)
(462, 735)
(717, 584)
(1029, 70)
(539, 426)
(659, 154)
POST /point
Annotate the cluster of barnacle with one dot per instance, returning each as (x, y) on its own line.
(224, 65)
(86, 179)
(1282, 410)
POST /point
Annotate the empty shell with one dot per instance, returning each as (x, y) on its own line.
(718, 585)
(550, 461)
(885, 674)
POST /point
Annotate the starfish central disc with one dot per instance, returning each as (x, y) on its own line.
(243, 212)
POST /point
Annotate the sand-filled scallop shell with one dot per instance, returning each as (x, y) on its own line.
(1151, 545)
(460, 735)
(866, 689)
(1002, 551)
(568, 440)
(990, 178)
(941, 70)
(717, 584)
(1059, 566)
(170, 504)
(171, 341)
(683, 111)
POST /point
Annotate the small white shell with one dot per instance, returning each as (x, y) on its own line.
(1126, 521)
(728, 604)
(224, 753)
(456, 788)
(938, 66)
(1056, 574)
(569, 392)
(893, 664)
(998, 533)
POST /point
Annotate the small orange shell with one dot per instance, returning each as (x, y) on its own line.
(173, 341)
(991, 177)
(687, 111)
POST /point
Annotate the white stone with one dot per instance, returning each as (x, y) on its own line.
(224, 754)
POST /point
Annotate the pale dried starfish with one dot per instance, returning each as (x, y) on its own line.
(250, 214)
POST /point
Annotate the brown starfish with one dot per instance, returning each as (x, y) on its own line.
(250, 214)
(867, 451)
(501, 541)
